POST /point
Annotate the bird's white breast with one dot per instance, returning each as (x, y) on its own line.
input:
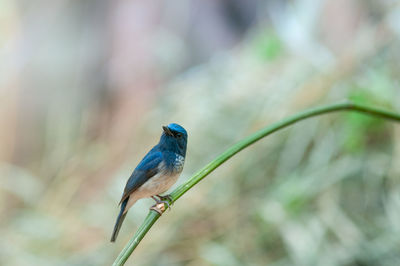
(159, 183)
(162, 181)
(179, 162)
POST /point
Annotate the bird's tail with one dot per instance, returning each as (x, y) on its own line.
(120, 219)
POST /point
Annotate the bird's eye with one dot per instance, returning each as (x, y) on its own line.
(178, 135)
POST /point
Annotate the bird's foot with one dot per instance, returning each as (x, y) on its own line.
(166, 197)
(162, 201)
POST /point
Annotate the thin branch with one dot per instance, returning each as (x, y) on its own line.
(196, 178)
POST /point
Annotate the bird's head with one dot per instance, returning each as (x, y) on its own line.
(174, 138)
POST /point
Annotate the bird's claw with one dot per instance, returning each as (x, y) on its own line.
(159, 206)
(167, 198)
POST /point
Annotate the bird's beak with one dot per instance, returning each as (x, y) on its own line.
(167, 131)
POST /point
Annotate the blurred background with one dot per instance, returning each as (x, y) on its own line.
(85, 87)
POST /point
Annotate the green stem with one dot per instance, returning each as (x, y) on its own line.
(151, 218)
(196, 178)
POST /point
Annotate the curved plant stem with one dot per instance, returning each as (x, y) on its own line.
(196, 178)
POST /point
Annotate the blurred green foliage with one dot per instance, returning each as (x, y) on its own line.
(267, 46)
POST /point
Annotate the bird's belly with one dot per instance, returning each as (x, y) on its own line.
(156, 185)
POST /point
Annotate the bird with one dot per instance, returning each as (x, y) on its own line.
(156, 173)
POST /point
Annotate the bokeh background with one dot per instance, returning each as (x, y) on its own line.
(85, 87)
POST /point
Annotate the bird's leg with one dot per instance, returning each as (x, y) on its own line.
(154, 198)
(158, 201)
(166, 197)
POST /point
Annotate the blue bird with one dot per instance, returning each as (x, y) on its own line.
(156, 173)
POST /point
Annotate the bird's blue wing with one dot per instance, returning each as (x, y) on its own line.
(146, 169)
